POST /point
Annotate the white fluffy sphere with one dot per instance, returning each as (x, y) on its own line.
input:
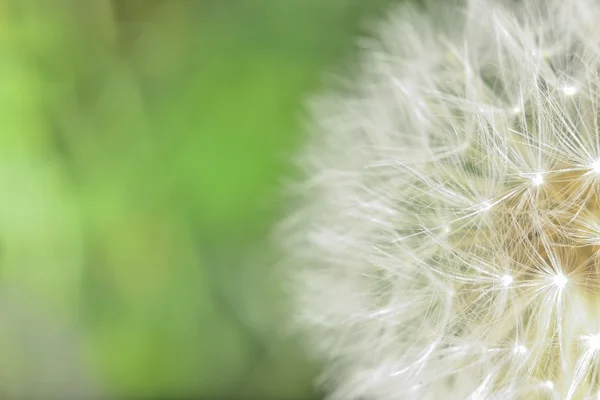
(447, 242)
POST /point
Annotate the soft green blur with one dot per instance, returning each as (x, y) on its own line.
(143, 148)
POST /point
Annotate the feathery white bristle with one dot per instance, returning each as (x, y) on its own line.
(447, 243)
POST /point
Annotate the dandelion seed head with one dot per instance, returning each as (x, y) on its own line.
(458, 162)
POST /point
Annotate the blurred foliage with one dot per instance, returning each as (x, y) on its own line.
(142, 150)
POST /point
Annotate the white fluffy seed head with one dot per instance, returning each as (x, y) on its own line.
(447, 242)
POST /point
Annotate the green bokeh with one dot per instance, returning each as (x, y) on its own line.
(144, 145)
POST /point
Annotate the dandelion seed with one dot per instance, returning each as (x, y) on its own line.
(507, 280)
(537, 180)
(569, 90)
(548, 385)
(596, 166)
(559, 281)
(593, 341)
(485, 206)
(520, 349)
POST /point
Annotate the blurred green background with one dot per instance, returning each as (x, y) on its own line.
(143, 150)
